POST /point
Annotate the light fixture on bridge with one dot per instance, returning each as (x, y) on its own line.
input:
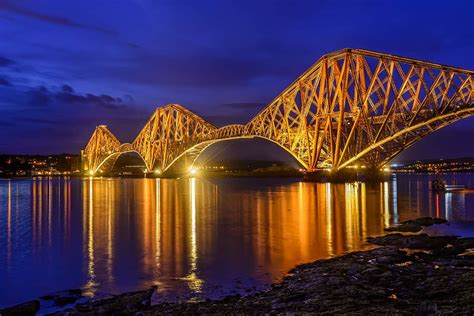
(157, 171)
(192, 171)
(91, 172)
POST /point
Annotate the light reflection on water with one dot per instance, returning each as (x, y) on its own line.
(194, 238)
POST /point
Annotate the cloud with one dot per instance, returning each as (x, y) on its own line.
(42, 96)
(5, 5)
(36, 120)
(5, 123)
(39, 96)
(5, 62)
(5, 82)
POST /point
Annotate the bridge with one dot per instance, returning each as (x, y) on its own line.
(353, 107)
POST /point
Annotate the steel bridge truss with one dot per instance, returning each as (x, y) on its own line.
(352, 107)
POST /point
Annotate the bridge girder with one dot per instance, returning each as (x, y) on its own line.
(351, 107)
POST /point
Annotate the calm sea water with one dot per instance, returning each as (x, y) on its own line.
(195, 238)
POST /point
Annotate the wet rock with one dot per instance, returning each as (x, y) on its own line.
(48, 297)
(416, 225)
(65, 300)
(75, 292)
(466, 243)
(24, 309)
(427, 308)
(385, 259)
(422, 241)
(408, 228)
(295, 296)
(425, 221)
(127, 303)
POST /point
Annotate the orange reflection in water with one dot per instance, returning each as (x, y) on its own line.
(179, 226)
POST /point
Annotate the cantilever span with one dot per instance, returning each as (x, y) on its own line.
(351, 107)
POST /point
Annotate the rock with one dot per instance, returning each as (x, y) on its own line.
(449, 251)
(385, 259)
(414, 226)
(425, 221)
(24, 309)
(127, 303)
(48, 297)
(408, 228)
(372, 271)
(422, 241)
(438, 221)
(65, 300)
(75, 292)
(427, 308)
(231, 298)
(466, 243)
(295, 296)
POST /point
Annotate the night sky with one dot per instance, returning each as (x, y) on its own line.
(67, 66)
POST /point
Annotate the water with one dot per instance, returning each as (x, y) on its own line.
(195, 238)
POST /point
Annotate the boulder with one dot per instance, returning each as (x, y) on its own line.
(24, 309)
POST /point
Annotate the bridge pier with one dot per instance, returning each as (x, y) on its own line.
(348, 175)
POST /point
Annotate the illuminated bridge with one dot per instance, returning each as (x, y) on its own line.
(352, 107)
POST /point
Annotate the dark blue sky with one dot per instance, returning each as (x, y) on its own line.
(67, 66)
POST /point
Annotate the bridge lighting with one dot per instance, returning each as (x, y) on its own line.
(157, 171)
(193, 171)
(292, 132)
(91, 172)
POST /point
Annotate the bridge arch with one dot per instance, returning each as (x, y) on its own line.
(108, 163)
(445, 120)
(195, 152)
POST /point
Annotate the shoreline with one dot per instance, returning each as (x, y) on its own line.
(405, 274)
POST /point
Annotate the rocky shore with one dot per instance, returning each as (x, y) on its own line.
(405, 274)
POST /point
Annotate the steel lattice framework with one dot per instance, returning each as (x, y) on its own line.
(351, 107)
